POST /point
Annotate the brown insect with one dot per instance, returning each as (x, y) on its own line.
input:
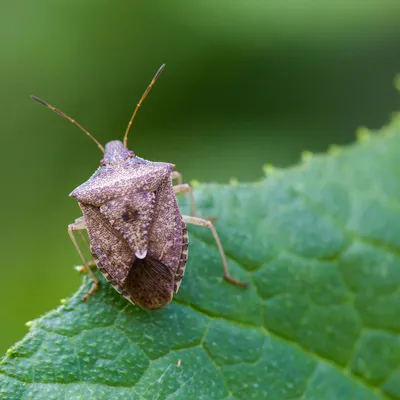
(138, 237)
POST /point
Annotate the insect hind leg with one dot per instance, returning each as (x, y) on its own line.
(79, 225)
(208, 224)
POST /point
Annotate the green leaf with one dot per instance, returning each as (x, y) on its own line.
(319, 245)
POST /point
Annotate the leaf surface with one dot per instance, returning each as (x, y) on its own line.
(319, 245)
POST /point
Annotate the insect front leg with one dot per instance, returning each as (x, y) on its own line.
(79, 225)
(208, 224)
(176, 175)
(186, 188)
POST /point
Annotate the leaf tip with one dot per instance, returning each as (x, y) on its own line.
(306, 156)
(389, 131)
(194, 183)
(363, 135)
(397, 82)
(80, 269)
(29, 324)
(234, 181)
(334, 150)
(269, 169)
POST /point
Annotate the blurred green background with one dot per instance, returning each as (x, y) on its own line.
(246, 83)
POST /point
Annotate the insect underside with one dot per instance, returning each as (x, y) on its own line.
(138, 237)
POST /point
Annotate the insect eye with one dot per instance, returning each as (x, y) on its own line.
(131, 153)
(102, 162)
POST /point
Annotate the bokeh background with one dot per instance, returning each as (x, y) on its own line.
(246, 83)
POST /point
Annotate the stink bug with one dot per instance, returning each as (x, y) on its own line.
(138, 237)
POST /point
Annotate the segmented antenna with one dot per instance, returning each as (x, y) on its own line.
(69, 119)
(140, 103)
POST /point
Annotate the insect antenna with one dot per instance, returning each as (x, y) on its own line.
(69, 119)
(153, 81)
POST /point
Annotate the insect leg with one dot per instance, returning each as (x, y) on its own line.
(78, 225)
(82, 269)
(186, 188)
(87, 245)
(208, 224)
(176, 175)
(84, 240)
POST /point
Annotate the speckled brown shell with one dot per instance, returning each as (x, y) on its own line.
(130, 210)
